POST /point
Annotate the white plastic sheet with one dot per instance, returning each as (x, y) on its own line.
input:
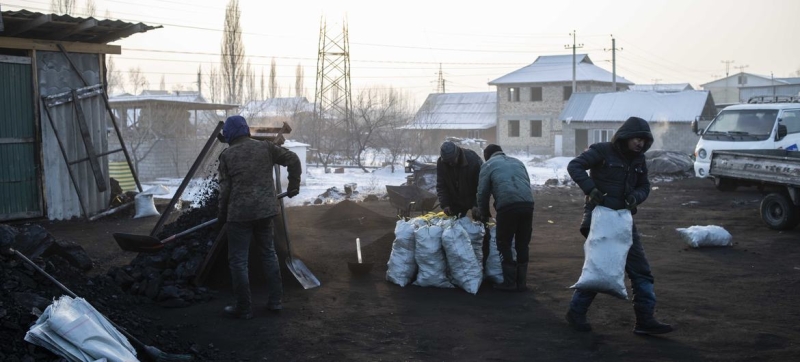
(74, 330)
(464, 267)
(430, 258)
(605, 252)
(401, 265)
(710, 235)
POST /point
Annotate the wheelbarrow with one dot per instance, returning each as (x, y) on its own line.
(408, 198)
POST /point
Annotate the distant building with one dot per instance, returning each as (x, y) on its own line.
(530, 99)
(738, 88)
(275, 111)
(470, 115)
(661, 88)
(594, 117)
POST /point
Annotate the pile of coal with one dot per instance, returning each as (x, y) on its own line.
(23, 290)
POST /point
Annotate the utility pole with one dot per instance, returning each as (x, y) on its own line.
(440, 81)
(727, 81)
(574, 85)
(728, 66)
(613, 61)
(200, 80)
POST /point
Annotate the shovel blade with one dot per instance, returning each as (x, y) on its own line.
(138, 243)
(301, 273)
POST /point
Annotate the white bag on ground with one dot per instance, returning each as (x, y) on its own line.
(429, 255)
(709, 235)
(605, 252)
(145, 206)
(401, 265)
(73, 329)
(476, 231)
(464, 267)
(494, 268)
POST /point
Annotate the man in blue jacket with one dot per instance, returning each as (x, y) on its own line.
(618, 180)
(506, 178)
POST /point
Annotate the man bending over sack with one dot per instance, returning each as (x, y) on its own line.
(618, 180)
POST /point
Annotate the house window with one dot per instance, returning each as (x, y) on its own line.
(474, 133)
(742, 79)
(536, 94)
(513, 94)
(513, 128)
(602, 135)
(536, 128)
(567, 92)
(791, 119)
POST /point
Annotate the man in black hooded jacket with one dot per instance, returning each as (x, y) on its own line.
(618, 180)
(457, 171)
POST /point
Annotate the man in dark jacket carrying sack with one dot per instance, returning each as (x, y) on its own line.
(457, 172)
(248, 204)
(506, 178)
(618, 180)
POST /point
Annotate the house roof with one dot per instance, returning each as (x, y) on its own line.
(794, 80)
(675, 87)
(724, 81)
(274, 107)
(652, 106)
(31, 25)
(474, 110)
(187, 99)
(558, 68)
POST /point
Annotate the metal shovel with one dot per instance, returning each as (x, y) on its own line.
(296, 266)
(149, 244)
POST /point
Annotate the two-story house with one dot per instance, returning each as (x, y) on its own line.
(530, 100)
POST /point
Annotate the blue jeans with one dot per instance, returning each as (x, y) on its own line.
(638, 270)
(239, 236)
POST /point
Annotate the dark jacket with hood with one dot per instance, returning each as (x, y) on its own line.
(614, 170)
(457, 186)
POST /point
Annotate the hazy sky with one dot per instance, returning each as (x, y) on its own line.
(401, 44)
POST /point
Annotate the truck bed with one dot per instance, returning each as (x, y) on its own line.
(777, 167)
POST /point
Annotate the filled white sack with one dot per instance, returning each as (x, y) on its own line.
(709, 235)
(476, 231)
(463, 266)
(145, 206)
(429, 255)
(401, 265)
(493, 270)
(605, 252)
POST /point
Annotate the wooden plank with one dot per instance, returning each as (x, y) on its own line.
(31, 24)
(203, 271)
(73, 47)
(87, 142)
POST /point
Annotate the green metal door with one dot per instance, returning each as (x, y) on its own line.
(20, 193)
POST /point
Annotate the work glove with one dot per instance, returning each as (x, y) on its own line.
(597, 196)
(447, 211)
(292, 190)
(630, 202)
(221, 138)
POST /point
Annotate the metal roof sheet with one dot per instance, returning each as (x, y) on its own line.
(31, 25)
(675, 87)
(274, 107)
(474, 110)
(652, 106)
(189, 100)
(558, 68)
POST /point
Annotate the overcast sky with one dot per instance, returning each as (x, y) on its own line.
(401, 44)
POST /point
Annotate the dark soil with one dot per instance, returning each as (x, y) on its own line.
(727, 304)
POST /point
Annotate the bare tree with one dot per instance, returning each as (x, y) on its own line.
(66, 7)
(90, 9)
(374, 110)
(163, 84)
(113, 77)
(137, 79)
(262, 85)
(298, 81)
(215, 91)
(233, 54)
(273, 83)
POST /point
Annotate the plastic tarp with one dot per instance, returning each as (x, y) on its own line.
(606, 251)
(74, 330)
(710, 235)
(463, 265)
(401, 265)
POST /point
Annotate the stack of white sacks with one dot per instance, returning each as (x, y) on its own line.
(444, 252)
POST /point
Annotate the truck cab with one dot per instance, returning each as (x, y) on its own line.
(749, 126)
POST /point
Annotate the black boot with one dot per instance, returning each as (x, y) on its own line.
(578, 321)
(647, 324)
(234, 311)
(522, 277)
(509, 283)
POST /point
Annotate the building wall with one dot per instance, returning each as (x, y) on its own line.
(547, 110)
(669, 136)
(429, 140)
(167, 158)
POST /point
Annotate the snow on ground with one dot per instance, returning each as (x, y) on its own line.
(318, 182)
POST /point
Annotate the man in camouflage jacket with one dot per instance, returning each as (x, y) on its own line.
(248, 205)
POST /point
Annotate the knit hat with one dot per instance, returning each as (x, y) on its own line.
(449, 152)
(235, 127)
(490, 150)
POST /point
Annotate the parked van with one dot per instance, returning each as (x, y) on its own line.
(759, 124)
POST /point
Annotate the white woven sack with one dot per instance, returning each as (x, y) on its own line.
(476, 232)
(493, 269)
(605, 252)
(710, 235)
(145, 206)
(430, 259)
(464, 268)
(401, 265)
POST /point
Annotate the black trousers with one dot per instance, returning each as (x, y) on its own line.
(514, 225)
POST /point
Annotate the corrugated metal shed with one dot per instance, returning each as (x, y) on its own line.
(651, 106)
(187, 100)
(558, 68)
(676, 87)
(27, 24)
(475, 110)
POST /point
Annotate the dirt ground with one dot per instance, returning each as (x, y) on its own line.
(727, 304)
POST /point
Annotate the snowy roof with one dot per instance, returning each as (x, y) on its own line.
(274, 107)
(290, 143)
(474, 110)
(652, 106)
(795, 80)
(188, 99)
(558, 68)
(675, 87)
(724, 82)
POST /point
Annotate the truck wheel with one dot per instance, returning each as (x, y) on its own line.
(778, 212)
(724, 184)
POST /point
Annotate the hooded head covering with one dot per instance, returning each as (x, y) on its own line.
(449, 152)
(490, 150)
(632, 128)
(235, 127)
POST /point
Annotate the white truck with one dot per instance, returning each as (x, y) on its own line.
(762, 123)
